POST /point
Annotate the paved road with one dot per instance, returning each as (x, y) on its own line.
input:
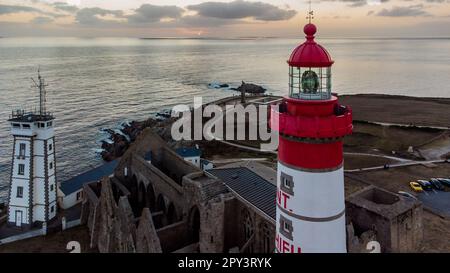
(398, 165)
(437, 201)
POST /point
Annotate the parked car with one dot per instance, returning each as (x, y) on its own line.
(415, 186)
(407, 194)
(437, 184)
(426, 185)
(445, 181)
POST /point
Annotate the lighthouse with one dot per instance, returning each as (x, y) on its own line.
(32, 194)
(311, 123)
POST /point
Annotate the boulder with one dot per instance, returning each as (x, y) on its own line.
(250, 88)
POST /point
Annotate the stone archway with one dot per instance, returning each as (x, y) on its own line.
(141, 195)
(172, 216)
(150, 197)
(133, 199)
(249, 229)
(134, 187)
(194, 224)
(161, 203)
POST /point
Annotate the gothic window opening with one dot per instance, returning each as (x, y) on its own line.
(248, 230)
(268, 239)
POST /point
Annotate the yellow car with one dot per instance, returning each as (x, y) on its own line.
(416, 186)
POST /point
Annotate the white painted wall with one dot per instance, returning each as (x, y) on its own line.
(316, 195)
(12, 214)
(70, 200)
(38, 183)
(317, 237)
(194, 160)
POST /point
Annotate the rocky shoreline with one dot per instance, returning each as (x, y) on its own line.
(120, 139)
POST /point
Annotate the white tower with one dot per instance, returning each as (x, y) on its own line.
(32, 194)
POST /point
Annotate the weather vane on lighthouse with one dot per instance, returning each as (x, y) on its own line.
(310, 12)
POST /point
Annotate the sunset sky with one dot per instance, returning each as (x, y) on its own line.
(237, 18)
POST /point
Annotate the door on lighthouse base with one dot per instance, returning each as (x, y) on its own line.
(18, 218)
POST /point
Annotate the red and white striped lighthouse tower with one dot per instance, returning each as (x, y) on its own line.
(311, 125)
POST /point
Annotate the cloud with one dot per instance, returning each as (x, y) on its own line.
(240, 9)
(150, 14)
(356, 4)
(6, 9)
(201, 21)
(62, 6)
(409, 11)
(42, 20)
(91, 16)
(359, 3)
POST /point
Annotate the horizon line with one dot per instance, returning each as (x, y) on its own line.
(239, 37)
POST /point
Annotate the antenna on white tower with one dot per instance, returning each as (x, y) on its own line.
(40, 85)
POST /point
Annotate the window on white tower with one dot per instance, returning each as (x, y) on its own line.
(287, 227)
(51, 165)
(19, 192)
(287, 183)
(22, 149)
(51, 187)
(21, 169)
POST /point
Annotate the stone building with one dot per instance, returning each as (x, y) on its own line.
(394, 221)
(158, 202)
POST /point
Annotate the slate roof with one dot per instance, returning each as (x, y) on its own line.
(188, 152)
(251, 187)
(76, 183)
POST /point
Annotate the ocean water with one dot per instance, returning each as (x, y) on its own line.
(99, 83)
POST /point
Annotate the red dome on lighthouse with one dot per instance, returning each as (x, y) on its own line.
(310, 53)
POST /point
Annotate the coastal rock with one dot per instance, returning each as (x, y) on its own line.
(217, 85)
(119, 141)
(250, 88)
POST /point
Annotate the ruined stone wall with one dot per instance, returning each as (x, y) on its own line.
(148, 174)
(150, 141)
(174, 237)
(395, 221)
(112, 225)
(247, 217)
(407, 231)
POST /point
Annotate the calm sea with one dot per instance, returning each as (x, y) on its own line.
(99, 83)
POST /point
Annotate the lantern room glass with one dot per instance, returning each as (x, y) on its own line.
(310, 83)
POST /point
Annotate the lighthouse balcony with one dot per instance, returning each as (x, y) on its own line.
(30, 116)
(333, 126)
